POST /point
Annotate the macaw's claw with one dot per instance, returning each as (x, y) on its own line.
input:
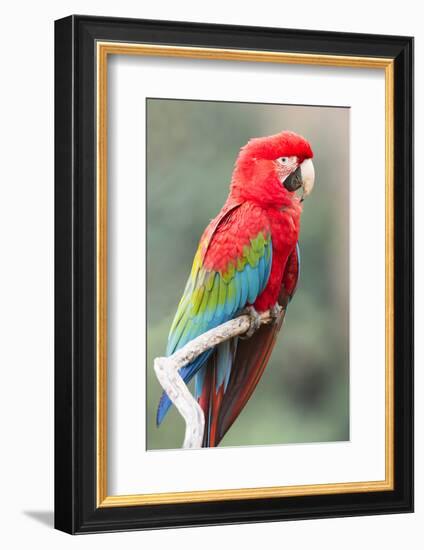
(276, 312)
(255, 321)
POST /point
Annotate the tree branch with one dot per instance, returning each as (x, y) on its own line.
(166, 369)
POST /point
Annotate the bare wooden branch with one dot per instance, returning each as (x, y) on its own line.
(166, 369)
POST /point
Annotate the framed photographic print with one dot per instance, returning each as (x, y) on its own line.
(234, 274)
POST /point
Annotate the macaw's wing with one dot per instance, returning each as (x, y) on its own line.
(230, 269)
(223, 403)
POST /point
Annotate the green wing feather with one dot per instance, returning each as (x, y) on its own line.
(213, 297)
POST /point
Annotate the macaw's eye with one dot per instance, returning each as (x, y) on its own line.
(283, 160)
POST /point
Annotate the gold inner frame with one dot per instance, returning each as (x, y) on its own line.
(104, 49)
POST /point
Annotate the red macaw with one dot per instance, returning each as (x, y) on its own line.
(247, 258)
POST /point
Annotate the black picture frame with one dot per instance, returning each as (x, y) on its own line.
(76, 508)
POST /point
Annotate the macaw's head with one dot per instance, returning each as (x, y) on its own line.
(269, 170)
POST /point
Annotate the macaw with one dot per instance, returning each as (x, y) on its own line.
(247, 261)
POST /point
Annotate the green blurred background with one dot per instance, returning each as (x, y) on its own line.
(303, 395)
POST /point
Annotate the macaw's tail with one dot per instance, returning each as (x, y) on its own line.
(223, 397)
(222, 403)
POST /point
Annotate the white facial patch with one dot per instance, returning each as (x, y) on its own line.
(285, 166)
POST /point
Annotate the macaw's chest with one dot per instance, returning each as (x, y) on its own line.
(284, 231)
(284, 227)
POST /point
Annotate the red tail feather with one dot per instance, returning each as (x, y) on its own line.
(251, 357)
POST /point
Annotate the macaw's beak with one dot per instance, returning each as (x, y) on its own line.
(303, 176)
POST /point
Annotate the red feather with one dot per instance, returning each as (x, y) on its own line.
(256, 188)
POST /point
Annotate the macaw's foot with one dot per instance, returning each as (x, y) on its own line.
(255, 321)
(276, 311)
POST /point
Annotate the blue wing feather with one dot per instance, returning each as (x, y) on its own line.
(253, 281)
(209, 301)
